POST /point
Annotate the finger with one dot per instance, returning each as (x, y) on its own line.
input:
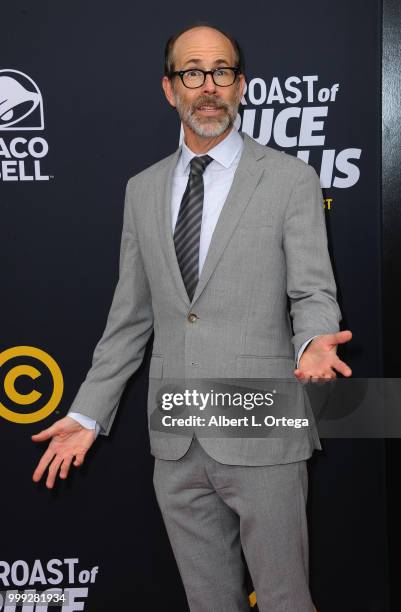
(43, 463)
(303, 377)
(302, 373)
(342, 337)
(53, 469)
(331, 376)
(316, 377)
(322, 379)
(342, 367)
(65, 466)
(79, 459)
(332, 340)
(45, 434)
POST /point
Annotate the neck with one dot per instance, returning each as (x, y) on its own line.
(202, 144)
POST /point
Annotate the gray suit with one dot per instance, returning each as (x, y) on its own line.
(269, 243)
(270, 240)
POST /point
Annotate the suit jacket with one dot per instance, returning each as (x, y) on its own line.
(266, 287)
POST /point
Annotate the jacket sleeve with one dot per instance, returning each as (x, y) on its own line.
(311, 286)
(120, 350)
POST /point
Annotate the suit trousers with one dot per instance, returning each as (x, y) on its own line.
(213, 510)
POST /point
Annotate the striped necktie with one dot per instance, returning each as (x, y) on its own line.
(188, 226)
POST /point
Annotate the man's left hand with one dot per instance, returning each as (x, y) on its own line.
(319, 360)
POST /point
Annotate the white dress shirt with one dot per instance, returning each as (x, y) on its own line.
(217, 180)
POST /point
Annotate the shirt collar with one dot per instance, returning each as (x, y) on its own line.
(224, 153)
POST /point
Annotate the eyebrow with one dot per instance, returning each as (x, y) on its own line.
(199, 61)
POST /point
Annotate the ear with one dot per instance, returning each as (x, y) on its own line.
(168, 90)
(241, 78)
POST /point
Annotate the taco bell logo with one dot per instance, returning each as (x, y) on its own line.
(21, 103)
(21, 109)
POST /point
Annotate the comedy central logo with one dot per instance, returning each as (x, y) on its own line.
(21, 103)
(31, 384)
(21, 109)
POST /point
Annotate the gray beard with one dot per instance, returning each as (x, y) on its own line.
(206, 127)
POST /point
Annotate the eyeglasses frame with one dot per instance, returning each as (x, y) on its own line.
(181, 73)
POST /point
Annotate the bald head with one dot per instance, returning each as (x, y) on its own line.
(190, 43)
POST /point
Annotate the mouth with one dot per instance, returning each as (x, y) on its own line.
(206, 109)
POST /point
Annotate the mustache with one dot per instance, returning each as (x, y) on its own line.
(209, 101)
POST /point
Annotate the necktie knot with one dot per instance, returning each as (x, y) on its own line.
(198, 164)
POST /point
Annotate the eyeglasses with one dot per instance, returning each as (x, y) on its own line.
(195, 77)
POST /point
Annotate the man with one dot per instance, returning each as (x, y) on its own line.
(216, 238)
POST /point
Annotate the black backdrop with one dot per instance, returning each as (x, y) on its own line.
(98, 66)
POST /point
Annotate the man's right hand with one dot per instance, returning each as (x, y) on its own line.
(69, 440)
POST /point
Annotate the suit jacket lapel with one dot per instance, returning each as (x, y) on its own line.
(164, 189)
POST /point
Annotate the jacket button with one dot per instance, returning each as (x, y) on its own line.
(192, 317)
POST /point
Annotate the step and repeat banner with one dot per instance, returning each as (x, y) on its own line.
(81, 111)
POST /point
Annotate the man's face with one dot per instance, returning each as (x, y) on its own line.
(208, 110)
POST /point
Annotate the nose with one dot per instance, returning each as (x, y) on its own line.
(209, 85)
